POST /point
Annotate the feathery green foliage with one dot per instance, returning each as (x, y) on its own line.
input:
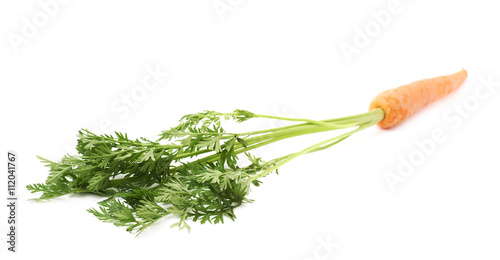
(191, 172)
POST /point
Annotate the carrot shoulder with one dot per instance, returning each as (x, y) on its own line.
(401, 102)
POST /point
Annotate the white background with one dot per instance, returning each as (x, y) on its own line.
(281, 58)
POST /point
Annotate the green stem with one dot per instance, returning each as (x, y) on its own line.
(369, 118)
(265, 137)
(320, 146)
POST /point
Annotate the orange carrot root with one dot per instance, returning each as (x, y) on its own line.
(401, 102)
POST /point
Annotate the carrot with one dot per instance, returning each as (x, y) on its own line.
(195, 172)
(401, 102)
